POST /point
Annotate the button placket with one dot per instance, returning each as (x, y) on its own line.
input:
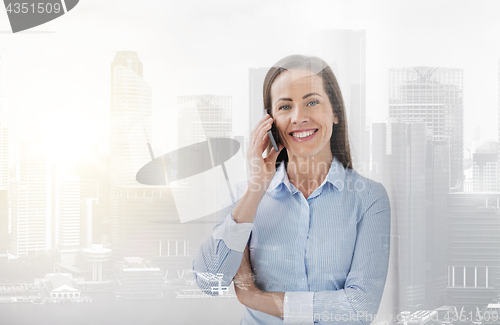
(302, 233)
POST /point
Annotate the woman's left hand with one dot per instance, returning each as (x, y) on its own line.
(244, 285)
(249, 295)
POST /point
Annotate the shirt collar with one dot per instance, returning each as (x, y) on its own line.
(336, 176)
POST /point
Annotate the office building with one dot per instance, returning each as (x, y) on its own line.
(150, 228)
(94, 203)
(68, 218)
(415, 171)
(4, 153)
(4, 130)
(401, 161)
(4, 221)
(131, 125)
(139, 279)
(485, 168)
(89, 222)
(436, 191)
(203, 116)
(432, 95)
(473, 256)
(32, 201)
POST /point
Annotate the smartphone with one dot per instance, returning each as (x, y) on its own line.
(273, 136)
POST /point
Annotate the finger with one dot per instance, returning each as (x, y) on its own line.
(257, 125)
(262, 138)
(258, 138)
(265, 142)
(262, 123)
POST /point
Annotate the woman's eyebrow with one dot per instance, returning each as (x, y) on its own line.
(291, 100)
(310, 95)
(288, 99)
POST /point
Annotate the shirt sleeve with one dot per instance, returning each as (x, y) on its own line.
(219, 257)
(359, 300)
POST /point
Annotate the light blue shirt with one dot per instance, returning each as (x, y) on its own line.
(329, 253)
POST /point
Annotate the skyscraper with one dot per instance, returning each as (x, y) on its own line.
(485, 168)
(203, 116)
(2, 55)
(68, 218)
(4, 131)
(4, 221)
(472, 235)
(432, 95)
(436, 191)
(345, 51)
(4, 150)
(401, 162)
(94, 196)
(131, 126)
(31, 201)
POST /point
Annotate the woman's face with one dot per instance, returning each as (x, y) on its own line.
(302, 114)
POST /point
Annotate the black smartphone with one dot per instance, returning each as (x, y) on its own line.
(273, 136)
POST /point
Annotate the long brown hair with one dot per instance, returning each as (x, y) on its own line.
(339, 141)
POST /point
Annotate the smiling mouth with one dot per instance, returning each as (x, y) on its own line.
(304, 134)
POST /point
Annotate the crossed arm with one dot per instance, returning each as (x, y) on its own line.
(249, 295)
(356, 303)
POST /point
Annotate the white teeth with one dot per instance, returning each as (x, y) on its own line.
(303, 134)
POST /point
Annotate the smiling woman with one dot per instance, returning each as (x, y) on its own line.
(307, 242)
(297, 72)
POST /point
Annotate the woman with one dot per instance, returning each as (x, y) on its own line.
(315, 231)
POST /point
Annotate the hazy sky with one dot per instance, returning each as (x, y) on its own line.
(58, 74)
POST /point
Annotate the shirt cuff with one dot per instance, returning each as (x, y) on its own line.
(235, 235)
(298, 308)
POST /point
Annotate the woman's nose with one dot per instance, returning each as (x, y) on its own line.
(300, 115)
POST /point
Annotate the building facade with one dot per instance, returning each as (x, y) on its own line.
(131, 126)
(485, 168)
(401, 161)
(432, 95)
(139, 279)
(473, 259)
(68, 218)
(203, 116)
(32, 201)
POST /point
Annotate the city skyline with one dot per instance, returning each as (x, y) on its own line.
(75, 138)
(171, 80)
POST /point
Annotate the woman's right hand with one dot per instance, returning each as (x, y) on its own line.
(262, 170)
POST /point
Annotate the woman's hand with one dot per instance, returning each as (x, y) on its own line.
(244, 285)
(262, 170)
(249, 295)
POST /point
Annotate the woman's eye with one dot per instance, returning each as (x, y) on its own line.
(312, 103)
(284, 107)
